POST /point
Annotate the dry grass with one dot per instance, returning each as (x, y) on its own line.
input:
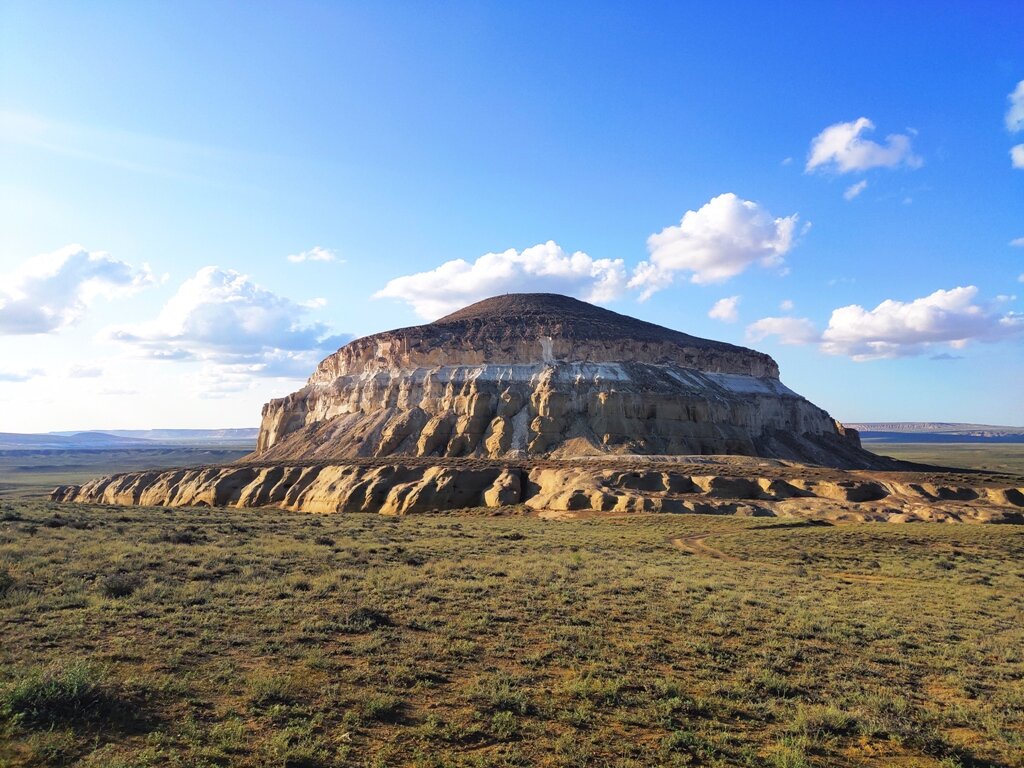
(261, 638)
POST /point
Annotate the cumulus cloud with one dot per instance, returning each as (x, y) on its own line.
(84, 372)
(1017, 242)
(901, 329)
(1015, 113)
(53, 290)
(20, 376)
(842, 148)
(726, 310)
(1017, 156)
(316, 253)
(545, 268)
(855, 189)
(786, 305)
(719, 241)
(222, 317)
(789, 330)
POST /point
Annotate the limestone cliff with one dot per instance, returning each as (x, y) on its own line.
(546, 375)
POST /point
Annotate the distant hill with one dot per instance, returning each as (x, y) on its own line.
(120, 439)
(244, 434)
(936, 432)
(71, 441)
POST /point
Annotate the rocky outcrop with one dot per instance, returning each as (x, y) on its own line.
(540, 375)
(563, 489)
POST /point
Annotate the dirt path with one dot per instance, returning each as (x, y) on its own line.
(696, 544)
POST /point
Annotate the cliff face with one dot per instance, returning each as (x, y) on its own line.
(544, 375)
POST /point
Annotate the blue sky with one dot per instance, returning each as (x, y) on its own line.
(186, 150)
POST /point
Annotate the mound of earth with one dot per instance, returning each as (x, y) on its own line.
(543, 375)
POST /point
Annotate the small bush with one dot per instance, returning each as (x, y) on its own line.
(501, 694)
(6, 581)
(268, 689)
(179, 537)
(120, 584)
(324, 541)
(504, 726)
(366, 619)
(383, 708)
(58, 694)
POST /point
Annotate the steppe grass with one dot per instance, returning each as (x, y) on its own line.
(158, 637)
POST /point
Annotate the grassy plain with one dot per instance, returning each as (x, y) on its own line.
(33, 474)
(157, 637)
(993, 457)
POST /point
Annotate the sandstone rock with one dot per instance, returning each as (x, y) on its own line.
(561, 488)
(545, 375)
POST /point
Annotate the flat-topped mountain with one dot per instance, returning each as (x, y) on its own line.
(536, 375)
(527, 328)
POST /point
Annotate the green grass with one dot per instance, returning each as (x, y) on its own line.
(994, 457)
(26, 475)
(280, 639)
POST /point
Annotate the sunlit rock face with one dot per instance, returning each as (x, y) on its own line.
(543, 375)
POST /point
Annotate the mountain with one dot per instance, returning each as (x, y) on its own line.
(544, 375)
(220, 436)
(127, 439)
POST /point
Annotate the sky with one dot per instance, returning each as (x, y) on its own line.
(200, 200)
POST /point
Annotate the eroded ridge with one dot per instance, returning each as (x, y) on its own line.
(564, 488)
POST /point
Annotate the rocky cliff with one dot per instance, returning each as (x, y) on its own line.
(568, 488)
(546, 375)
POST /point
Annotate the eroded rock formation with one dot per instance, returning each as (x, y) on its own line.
(562, 488)
(545, 375)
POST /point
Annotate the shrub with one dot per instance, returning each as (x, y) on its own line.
(6, 581)
(504, 726)
(366, 619)
(382, 707)
(179, 537)
(266, 689)
(58, 694)
(119, 584)
(501, 694)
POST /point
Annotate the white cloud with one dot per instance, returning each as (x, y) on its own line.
(719, 241)
(1020, 278)
(53, 290)
(545, 267)
(786, 305)
(790, 330)
(84, 372)
(316, 253)
(1015, 114)
(1017, 242)
(855, 189)
(726, 310)
(20, 376)
(841, 148)
(900, 329)
(222, 317)
(1017, 156)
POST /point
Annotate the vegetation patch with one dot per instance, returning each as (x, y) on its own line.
(471, 640)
